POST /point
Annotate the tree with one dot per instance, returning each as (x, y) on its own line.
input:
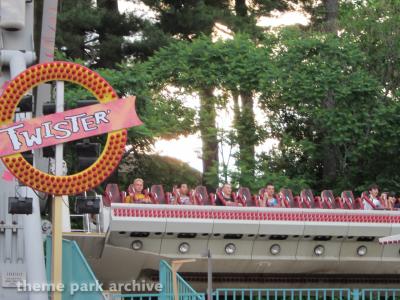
(184, 65)
(373, 25)
(332, 100)
(307, 67)
(96, 32)
(233, 67)
(76, 32)
(242, 67)
(190, 19)
(330, 160)
(112, 28)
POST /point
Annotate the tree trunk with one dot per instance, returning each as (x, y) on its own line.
(241, 8)
(244, 123)
(38, 25)
(208, 131)
(111, 5)
(237, 114)
(331, 15)
(330, 160)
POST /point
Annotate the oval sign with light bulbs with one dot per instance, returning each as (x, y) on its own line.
(112, 116)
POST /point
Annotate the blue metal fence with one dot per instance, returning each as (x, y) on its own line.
(136, 296)
(283, 294)
(277, 294)
(153, 296)
(78, 279)
(386, 294)
(185, 291)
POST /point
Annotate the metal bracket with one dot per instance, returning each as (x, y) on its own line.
(14, 228)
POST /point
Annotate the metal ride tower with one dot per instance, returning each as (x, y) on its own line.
(21, 246)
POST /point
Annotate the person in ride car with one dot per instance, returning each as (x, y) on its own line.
(385, 201)
(138, 196)
(396, 204)
(269, 199)
(226, 193)
(183, 194)
(373, 192)
(391, 200)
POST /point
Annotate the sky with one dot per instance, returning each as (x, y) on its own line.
(188, 149)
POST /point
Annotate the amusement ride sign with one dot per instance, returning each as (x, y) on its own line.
(111, 116)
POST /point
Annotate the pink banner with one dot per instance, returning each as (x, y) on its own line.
(68, 126)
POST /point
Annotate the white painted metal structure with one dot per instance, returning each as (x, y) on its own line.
(21, 247)
(161, 229)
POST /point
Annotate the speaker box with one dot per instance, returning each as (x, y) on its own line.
(87, 205)
(19, 206)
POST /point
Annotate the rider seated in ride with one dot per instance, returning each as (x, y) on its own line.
(396, 202)
(183, 195)
(391, 200)
(373, 193)
(226, 197)
(268, 199)
(138, 195)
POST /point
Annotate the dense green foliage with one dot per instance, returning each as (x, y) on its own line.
(327, 92)
(311, 66)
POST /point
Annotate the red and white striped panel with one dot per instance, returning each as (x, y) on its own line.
(249, 214)
(393, 239)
